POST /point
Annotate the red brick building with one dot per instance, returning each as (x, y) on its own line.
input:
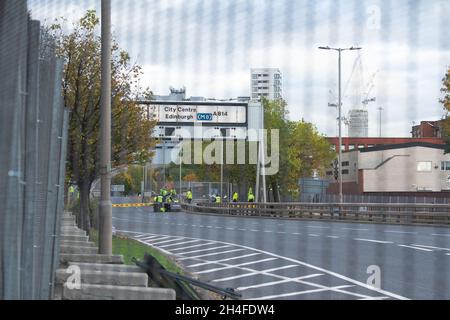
(360, 143)
(428, 129)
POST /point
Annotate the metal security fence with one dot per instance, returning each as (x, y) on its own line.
(360, 198)
(33, 135)
(424, 214)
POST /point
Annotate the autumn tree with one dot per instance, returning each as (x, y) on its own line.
(302, 151)
(81, 86)
(446, 104)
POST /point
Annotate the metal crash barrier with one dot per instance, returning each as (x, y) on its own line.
(426, 214)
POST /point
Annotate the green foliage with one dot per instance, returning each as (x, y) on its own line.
(81, 86)
(126, 180)
(446, 104)
(303, 151)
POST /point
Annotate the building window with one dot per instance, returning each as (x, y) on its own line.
(370, 146)
(345, 163)
(351, 147)
(361, 146)
(424, 166)
(445, 165)
(345, 171)
(254, 76)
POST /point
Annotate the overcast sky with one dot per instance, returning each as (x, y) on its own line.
(209, 46)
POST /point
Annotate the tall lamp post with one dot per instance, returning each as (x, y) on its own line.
(340, 50)
(105, 226)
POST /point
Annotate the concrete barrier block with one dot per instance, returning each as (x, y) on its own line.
(73, 238)
(77, 243)
(124, 279)
(73, 233)
(104, 292)
(91, 258)
(107, 267)
(78, 249)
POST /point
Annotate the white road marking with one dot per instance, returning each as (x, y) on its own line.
(267, 284)
(223, 260)
(442, 235)
(177, 244)
(329, 272)
(149, 237)
(208, 249)
(254, 273)
(145, 236)
(194, 246)
(313, 235)
(376, 241)
(302, 292)
(297, 233)
(406, 232)
(355, 229)
(155, 239)
(267, 231)
(430, 247)
(212, 254)
(417, 248)
(333, 237)
(166, 241)
(254, 230)
(230, 229)
(235, 266)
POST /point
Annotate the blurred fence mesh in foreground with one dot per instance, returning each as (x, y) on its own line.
(33, 135)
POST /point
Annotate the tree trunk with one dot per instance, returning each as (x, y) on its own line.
(84, 221)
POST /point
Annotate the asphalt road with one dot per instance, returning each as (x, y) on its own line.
(286, 259)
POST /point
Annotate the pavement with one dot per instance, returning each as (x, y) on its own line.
(290, 259)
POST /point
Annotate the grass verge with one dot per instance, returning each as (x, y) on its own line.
(130, 248)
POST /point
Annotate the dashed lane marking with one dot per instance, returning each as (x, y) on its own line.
(255, 273)
(431, 247)
(235, 266)
(273, 283)
(375, 241)
(291, 294)
(417, 248)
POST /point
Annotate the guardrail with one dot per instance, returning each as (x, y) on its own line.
(427, 214)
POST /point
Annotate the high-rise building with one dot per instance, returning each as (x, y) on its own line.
(267, 83)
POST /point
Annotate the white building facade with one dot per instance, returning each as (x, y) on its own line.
(405, 168)
(267, 83)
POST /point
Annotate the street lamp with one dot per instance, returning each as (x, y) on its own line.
(340, 50)
(105, 214)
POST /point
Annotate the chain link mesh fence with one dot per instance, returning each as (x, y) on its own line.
(33, 131)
